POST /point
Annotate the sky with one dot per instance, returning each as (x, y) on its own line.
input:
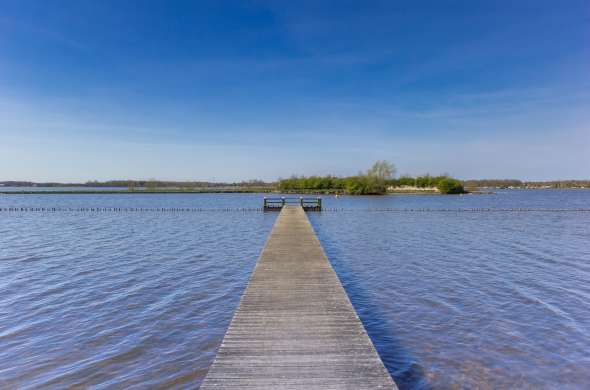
(239, 90)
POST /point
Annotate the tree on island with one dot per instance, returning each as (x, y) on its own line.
(382, 170)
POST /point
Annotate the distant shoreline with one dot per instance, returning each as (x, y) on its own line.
(136, 192)
(479, 191)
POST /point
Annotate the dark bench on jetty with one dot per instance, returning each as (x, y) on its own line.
(295, 327)
(308, 204)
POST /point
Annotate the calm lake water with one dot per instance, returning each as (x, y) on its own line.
(451, 299)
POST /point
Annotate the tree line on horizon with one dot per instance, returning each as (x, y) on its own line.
(150, 183)
(374, 181)
(515, 183)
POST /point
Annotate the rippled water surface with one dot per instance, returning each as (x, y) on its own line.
(142, 299)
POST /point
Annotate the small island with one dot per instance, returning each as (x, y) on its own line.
(377, 180)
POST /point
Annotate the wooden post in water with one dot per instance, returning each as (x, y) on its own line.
(295, 327)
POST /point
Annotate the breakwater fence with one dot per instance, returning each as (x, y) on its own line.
(273, 208)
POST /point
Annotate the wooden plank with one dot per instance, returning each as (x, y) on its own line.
(295, 327)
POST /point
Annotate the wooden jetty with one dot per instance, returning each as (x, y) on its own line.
(308, 204)
(295, 327)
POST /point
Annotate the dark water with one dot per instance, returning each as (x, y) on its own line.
(142, 299)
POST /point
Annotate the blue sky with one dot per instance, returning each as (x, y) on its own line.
(232, 90)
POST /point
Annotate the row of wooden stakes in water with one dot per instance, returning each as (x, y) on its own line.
(260, 209)
(123, 209)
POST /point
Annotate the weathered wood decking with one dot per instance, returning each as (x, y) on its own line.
(295, 327)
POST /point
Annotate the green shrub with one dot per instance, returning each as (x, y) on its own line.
(450, 186)
(364, 185)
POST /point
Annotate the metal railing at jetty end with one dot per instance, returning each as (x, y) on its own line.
(308, 204)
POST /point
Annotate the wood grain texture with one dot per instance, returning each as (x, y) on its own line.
(295, 327)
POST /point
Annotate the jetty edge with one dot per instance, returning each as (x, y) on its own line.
(295, 327)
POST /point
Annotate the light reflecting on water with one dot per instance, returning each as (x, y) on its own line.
(142, 300)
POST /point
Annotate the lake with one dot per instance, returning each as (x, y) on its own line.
(455, 291)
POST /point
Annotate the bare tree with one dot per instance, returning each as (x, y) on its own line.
(382, 169)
